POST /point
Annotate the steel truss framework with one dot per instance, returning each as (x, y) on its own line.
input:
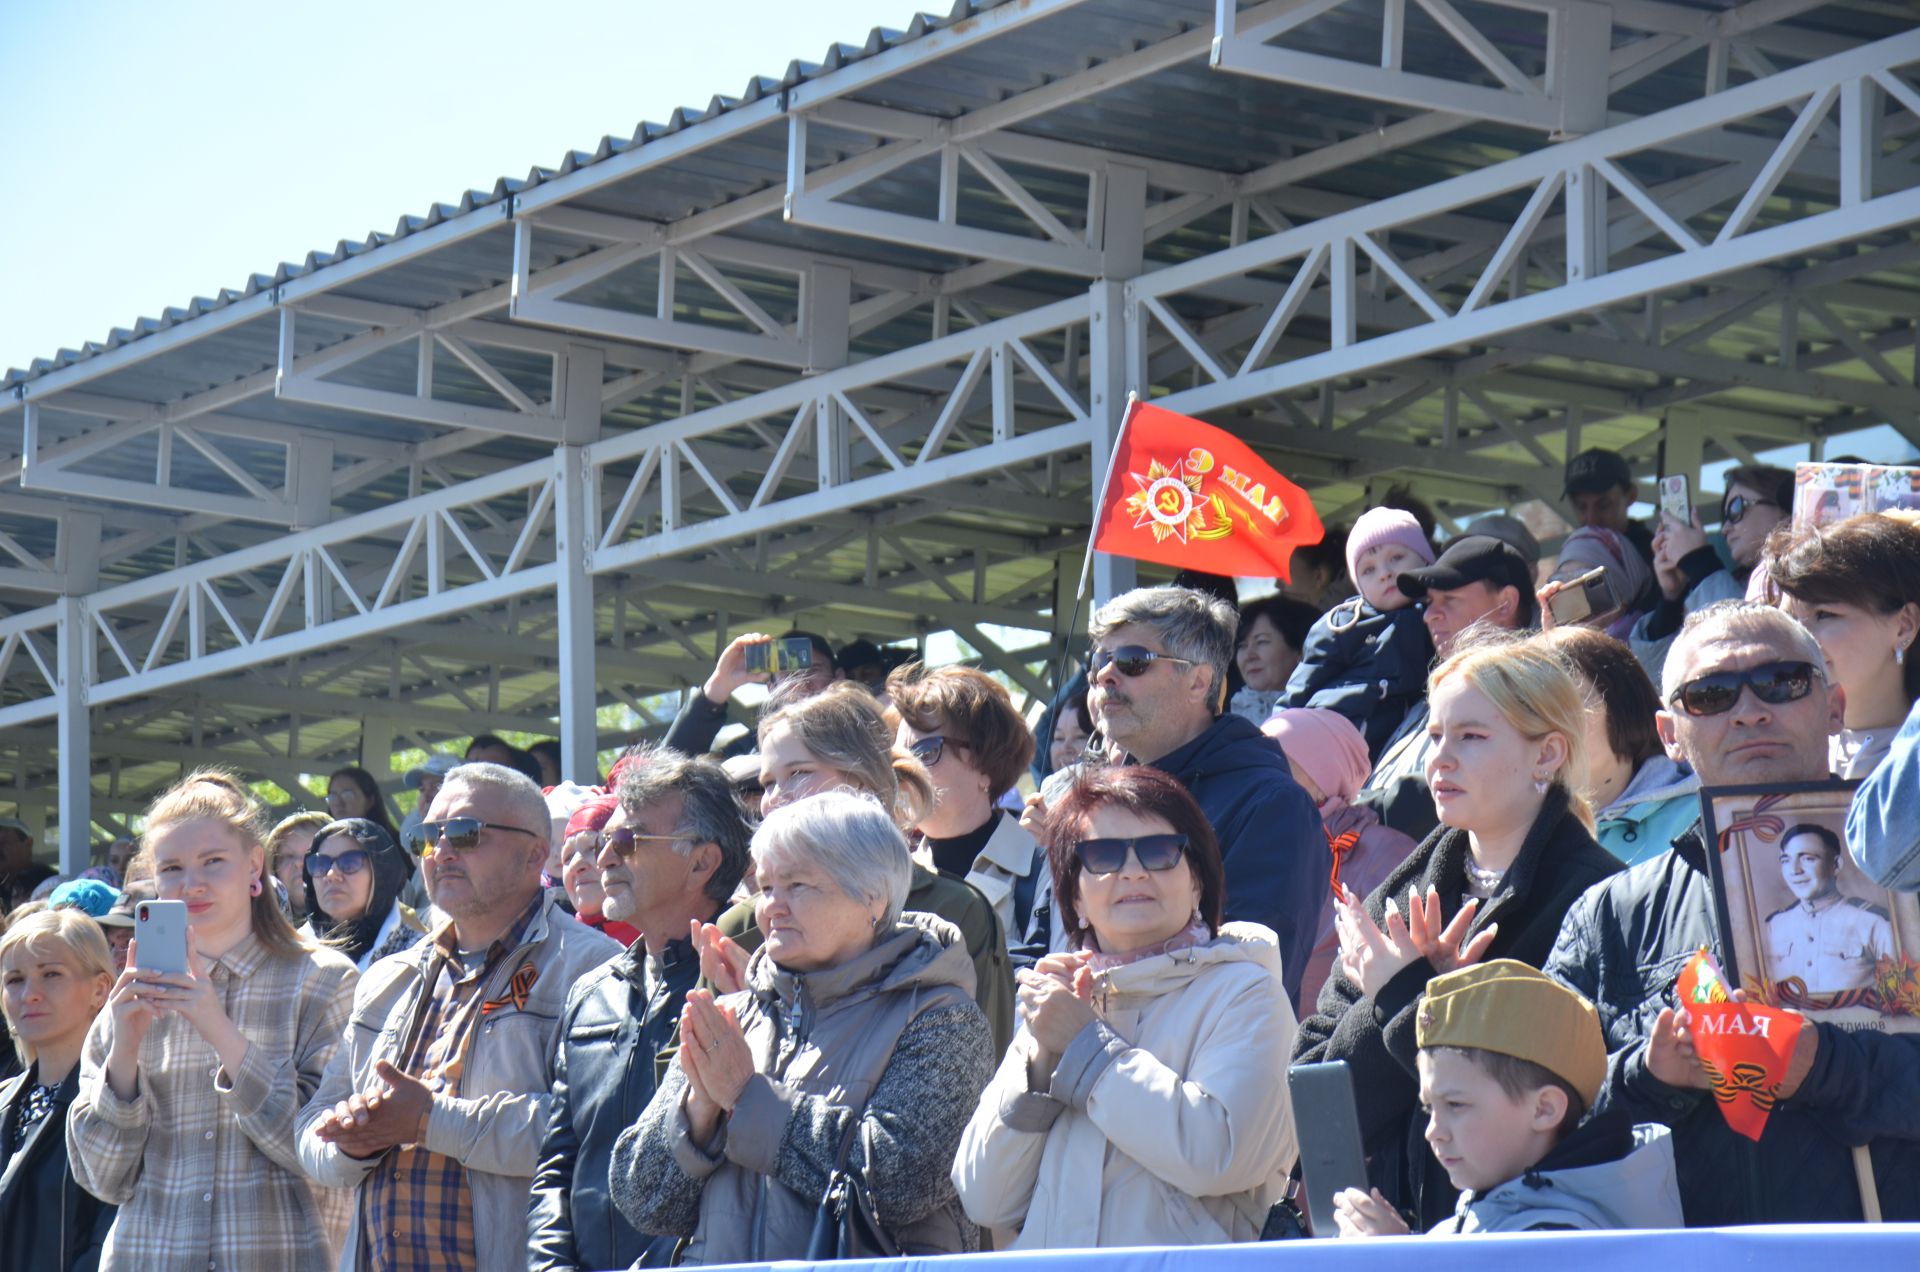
(858, 379)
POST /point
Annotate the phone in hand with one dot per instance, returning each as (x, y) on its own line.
(160, 928)
(781, 657)
(1583, 597)
(1327, 1123)
(1675, 498)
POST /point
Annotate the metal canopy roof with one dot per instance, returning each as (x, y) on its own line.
(840, 352)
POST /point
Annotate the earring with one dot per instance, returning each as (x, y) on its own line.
(1540, 785)
(255, 889)
(1899, 655)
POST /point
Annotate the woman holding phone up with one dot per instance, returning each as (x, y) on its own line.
(190, 1082)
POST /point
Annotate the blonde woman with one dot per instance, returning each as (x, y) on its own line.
(1514, 849)
(287, 846)
(55, 971)
(189, 1084)
(838, 740)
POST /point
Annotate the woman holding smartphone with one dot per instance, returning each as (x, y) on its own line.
(190, 1082)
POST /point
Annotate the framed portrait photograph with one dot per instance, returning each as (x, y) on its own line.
(1800, 925)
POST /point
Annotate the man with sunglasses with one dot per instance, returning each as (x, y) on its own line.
(1156, 677)
(1748, 701)
(432, 1110)
(671, 854)
(1691, 573)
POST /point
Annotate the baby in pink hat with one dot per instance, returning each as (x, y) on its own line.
(1367, 657)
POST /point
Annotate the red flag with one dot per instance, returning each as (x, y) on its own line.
(1744, 1048)
(1190, 495)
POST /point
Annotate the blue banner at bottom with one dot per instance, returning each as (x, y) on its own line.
(1773, 1249)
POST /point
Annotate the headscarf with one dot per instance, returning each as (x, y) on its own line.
(391, 869)
(592, 815)
(1327, 746)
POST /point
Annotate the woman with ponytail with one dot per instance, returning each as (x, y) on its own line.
(838, 740)
(190, 1083)
(1513, 851)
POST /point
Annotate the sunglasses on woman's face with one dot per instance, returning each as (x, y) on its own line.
(1132, 660)
(1153, 852)
(462, 834)
(1736, 508)
(1772, 683)
(351, 862)
(929, 750)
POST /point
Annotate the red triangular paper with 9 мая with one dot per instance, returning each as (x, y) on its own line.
(1743, 1047)
(1189, 495)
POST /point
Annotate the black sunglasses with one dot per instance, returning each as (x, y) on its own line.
(351, 862)
(929, 750)
(461, 833)
(1772, 683)
(1737, 507)
(1153, 852)
(1132, 660)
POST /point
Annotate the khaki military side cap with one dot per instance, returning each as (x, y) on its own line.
(1516, 1010)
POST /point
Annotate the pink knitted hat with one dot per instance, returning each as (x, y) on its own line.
(1386, 525)
(1326, 745)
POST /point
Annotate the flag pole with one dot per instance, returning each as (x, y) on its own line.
(1100, 502)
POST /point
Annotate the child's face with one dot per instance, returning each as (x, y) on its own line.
(1482, 1136)
(1376, 569)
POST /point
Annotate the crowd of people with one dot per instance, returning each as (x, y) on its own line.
(839, 989)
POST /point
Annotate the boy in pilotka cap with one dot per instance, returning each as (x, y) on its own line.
(1510, 1060)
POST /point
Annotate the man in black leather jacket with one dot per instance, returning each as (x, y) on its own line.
(1624, 943)
(687, 853)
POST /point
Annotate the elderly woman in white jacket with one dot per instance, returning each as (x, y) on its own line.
(1143, 1101)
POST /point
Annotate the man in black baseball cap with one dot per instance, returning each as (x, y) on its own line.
(1600, 487)
(1477, 579)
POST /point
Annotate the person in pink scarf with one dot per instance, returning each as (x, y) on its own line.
(1329, 760)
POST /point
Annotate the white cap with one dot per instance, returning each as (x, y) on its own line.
(439, 764)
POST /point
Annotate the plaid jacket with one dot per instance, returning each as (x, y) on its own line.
(491, 1123)
(201, 1162)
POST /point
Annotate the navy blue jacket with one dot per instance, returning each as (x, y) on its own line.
(1275, 854)
(1623, 945)
(1367, 665)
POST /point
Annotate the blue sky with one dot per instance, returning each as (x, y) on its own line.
(155, 152)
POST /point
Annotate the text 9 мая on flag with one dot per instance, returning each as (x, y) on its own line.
(1193, 496)
(1744, 1047)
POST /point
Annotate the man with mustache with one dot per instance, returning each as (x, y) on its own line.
(1155, 689)
(433, 1110)
(1748, 702)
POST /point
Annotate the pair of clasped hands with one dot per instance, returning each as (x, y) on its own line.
(1370, 956)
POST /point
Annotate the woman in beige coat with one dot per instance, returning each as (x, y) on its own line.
(1143, 1101)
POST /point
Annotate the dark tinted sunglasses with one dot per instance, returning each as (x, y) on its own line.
(1736, 508)
(1773, 683)
(1132, 660)
(1153, 852)
(929, 750)
(623, 840)
(461, 833)
(351, 862)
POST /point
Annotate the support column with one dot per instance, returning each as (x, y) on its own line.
(1115, 361)
(376, 752)
(574, 520)
(75, 736)
(77, 555)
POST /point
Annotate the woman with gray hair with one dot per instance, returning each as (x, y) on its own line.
(856, 1044)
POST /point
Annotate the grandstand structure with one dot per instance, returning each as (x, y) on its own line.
(848, 351)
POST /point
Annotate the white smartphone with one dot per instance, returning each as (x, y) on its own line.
(160, 928)
(1675, 499)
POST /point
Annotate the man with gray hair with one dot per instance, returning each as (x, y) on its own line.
(433, 1109)
(670, 856)
(1748, 702)
(1156, 687)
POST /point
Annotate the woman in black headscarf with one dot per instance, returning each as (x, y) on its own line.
(354, 873)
